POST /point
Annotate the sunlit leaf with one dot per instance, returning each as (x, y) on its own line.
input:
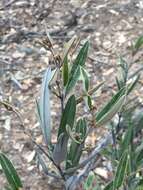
(81, 58)
(111, 108)
(85, 78)
(133, 84)
(75, 70)
(73, 80)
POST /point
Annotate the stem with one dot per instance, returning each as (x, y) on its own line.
(119, 122)
(61, 95)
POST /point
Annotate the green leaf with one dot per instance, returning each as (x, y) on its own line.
(10, 172)
(121, 171)
(139, 187)
(119, 83)
(75, 150)
(111, 108)
(88, 102)
(127, 138)
(44, 104)
(109, 186)
(138, 44)
(122, 73)
(75, 70)
(81, 58)
(68, 115)
(138, 155)
(133, 84)
(73, 80)
(81, 128)
(65, 71)
(71, 134)
(89, 182)
(85, 78)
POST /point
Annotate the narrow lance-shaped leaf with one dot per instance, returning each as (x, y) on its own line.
(72, 81)
(121, 171)
(65, 71)
(122, 73)
(138, 44)
(81, 58)
(127, 138)
(44, 111)
(60, 149)
(68, 115)
(85, 78)
(89, 182)
(131, 86)
(111, 108)
(75, 70)
(88, 102)
(10, 172)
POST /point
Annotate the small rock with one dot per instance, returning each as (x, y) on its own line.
(107, 44)
(76, 3)
(30, 156)
(102, 172)
(71, 33)
(17, 55)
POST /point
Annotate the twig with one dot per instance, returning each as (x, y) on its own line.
(44, 167)
(9, 107)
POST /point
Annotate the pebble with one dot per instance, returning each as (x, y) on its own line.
(107, 45)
